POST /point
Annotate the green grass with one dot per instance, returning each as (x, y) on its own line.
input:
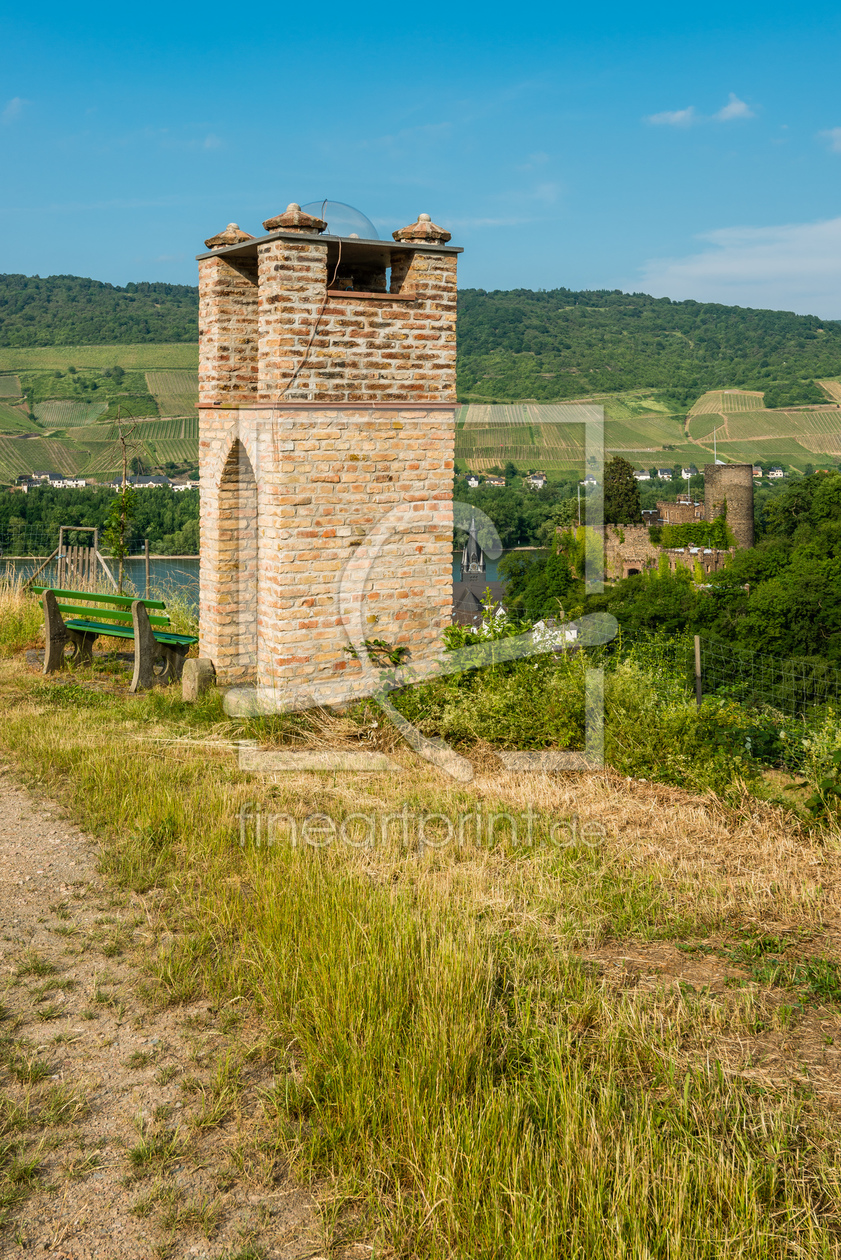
(443, 1054)
(10, 387)
(156, 1151)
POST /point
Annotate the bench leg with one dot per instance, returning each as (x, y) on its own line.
(56, 636)
(83, 641)
(146, 649)
(174, 655)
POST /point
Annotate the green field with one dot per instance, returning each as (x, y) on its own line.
(133, 358)
(637, 424)
(785, 451)
(727, 400)
(65, 414)
(15, 420)
(168, 430)
(702, 426)
(489, 436)
(805, 426)
(185, 451)
(832, 388)
(21, 456)
(175, 392)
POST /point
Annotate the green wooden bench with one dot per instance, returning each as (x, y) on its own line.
(124, 617)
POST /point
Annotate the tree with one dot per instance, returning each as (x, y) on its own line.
(621, 493)
(123, 508)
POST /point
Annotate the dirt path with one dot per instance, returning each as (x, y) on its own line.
(125, 1131)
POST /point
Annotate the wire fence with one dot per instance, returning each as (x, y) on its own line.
(35, 540)
(796, 686)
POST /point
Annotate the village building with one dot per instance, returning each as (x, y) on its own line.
(143, 481)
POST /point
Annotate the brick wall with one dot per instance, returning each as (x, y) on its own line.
(360, 345)
(323, 481)
(227, 329)
(322, 415)
(680, 513)
(627, 549)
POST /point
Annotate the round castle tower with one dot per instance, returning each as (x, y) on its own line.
(731, 484)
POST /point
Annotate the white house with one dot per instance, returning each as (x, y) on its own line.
(472, 480)
(537, 480)
(642, 475)
(664, 474)
(776, 473)
(141, 483)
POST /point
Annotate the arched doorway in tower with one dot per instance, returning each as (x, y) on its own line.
(237, 565)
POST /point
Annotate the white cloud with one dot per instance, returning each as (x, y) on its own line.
(534, 159)
(734, 109)
(675, 117)
(212, 142)
(13, 109)
(795, 266)
(833, 138)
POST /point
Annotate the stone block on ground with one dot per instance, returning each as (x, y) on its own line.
(198, 675)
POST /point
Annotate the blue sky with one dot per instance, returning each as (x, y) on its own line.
(691, 151)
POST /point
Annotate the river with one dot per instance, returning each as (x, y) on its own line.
(170, 575)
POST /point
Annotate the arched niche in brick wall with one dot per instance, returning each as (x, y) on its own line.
(238, 548)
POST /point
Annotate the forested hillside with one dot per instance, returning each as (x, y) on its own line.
(520, 344)
(73, 311)
(560, 344)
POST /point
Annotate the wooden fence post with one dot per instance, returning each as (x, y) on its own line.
(698, 694)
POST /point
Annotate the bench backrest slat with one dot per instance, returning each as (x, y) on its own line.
(110, 614)
(121, 601)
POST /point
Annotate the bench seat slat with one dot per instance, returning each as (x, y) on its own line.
(127, 632)
(117, 614)
(124, 601)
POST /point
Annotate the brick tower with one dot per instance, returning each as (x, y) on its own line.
(326, 417)
(728, 491)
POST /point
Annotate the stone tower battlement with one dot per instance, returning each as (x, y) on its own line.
(326, 405)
